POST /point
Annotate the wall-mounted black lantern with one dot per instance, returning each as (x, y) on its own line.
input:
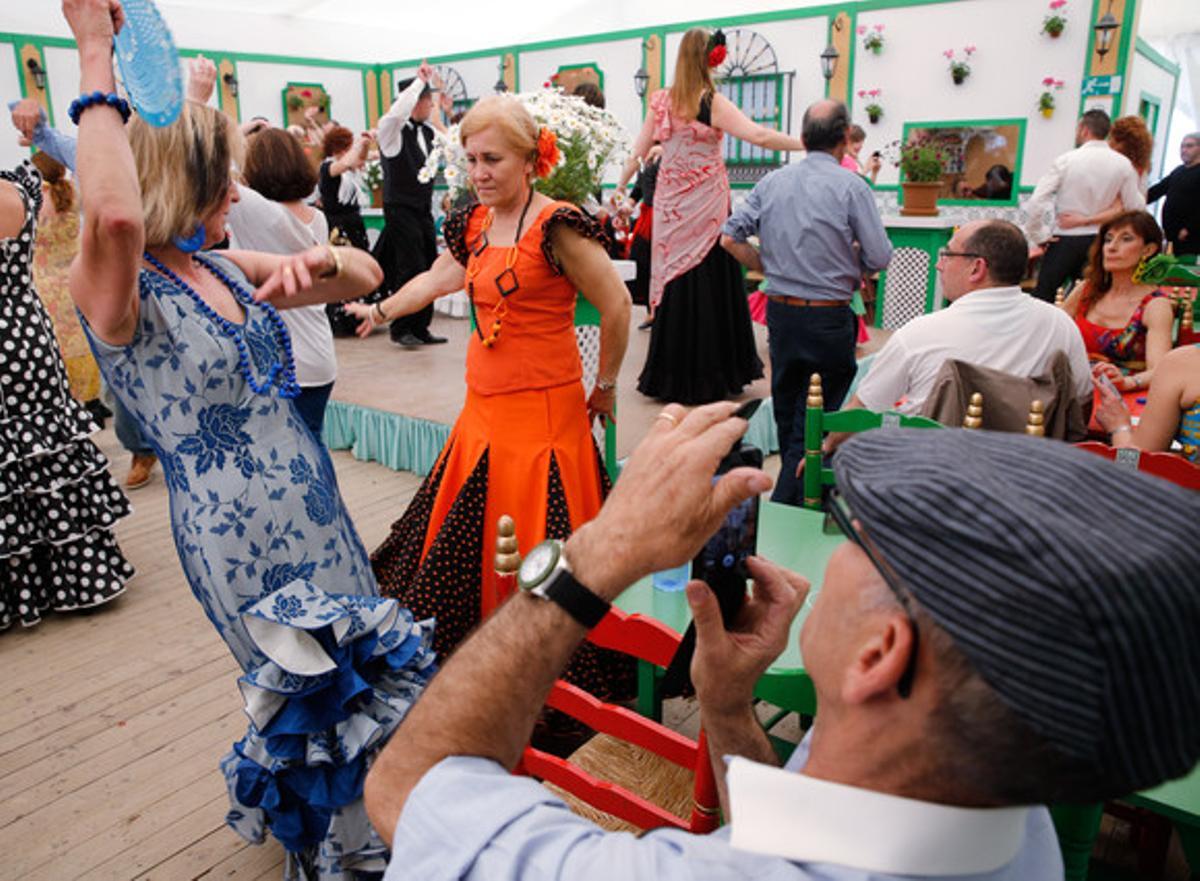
(39, 73)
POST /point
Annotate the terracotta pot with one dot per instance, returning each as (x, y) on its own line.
(920, 198)
(377, 197)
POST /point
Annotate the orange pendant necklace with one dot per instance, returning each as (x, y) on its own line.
(506, 282)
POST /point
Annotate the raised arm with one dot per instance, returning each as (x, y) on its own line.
(445, 276)
(641, 147)
(727, 117)
(103, 278)
(391, 124)
(593, 274)
(322, 274)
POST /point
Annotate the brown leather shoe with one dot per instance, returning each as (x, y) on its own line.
(139, 470)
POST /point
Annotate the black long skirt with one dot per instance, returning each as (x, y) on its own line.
(702, 345)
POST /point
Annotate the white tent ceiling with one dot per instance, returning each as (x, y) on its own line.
(382, 30)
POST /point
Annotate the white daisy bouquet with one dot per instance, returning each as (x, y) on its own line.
(588, 139)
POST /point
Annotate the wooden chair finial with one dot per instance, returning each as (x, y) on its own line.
(1060, 297)
(1186, 318)
(974, 417)
(508, 557)
(1036, 426)
(816, 396)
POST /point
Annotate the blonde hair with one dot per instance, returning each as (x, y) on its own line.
(693, 78)
(509, 116)
(184, 170)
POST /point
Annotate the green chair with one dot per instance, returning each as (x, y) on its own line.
(817, 422)
(587, 335)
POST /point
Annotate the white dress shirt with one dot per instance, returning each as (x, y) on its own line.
(1001, 328)
(391, 124)
(1084, 181)
(258, 224)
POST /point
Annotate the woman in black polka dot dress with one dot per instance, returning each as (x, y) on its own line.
(58, 503)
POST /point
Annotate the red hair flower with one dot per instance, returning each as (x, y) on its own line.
(716, 48)
(547, 153)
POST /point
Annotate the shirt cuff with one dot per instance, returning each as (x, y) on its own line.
(455, 811)
(737, 228)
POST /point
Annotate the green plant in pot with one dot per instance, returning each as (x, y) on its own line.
(921, 168)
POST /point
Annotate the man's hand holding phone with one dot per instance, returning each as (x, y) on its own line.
(728, 663)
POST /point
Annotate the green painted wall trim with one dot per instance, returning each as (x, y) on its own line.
(1018, 162)
(1157, 58)
(67, 43)
(1126, 53)
(674, 27)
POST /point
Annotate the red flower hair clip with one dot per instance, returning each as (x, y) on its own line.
(547, 153)
(716, 48)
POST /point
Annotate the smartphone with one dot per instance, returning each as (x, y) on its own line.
(721, 564)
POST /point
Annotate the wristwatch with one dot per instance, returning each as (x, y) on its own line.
(546, 575)
(606, 385)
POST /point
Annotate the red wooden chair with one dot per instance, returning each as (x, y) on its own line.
(1168, 466)
(629, 749)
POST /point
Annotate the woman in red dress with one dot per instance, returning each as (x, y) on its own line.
(1125, 326)
(522, 444)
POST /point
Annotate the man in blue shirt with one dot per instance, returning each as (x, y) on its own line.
(819, 231)
(974, 650)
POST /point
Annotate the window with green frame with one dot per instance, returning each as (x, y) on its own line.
(1148, 108)
(761, 97)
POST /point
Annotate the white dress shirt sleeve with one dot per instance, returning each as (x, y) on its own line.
(889, 377)
(391, 124)
(1133, 197)
(1042, 202)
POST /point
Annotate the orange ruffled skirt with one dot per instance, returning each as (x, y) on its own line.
(528, 454)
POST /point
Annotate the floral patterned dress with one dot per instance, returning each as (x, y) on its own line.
(267, 545)
(58, 503)
(57, 244)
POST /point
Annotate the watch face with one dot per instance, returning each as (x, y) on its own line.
(537, 565)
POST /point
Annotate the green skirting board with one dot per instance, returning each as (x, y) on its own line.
(407, 443)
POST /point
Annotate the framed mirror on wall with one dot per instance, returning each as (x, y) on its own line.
(981, 158)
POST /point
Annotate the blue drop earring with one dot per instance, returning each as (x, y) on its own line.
(192, 243)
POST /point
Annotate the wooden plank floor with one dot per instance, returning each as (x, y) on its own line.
(113, 720)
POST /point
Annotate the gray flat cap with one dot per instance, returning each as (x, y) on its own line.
(1071, 585)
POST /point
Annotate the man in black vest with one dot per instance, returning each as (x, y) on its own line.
(408, 244)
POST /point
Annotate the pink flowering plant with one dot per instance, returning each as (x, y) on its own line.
(1056, 20)
(1050, 85)
(960, 67)
(873, 108)
(872, 37)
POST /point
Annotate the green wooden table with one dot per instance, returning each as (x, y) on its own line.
(793, 538)
(1178, 801)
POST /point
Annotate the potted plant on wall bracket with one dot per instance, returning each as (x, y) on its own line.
(921, 167)
(960, 68)
(1056, 22)
(1046, 100)
(872, 37)
(873, 109)
(372, 179)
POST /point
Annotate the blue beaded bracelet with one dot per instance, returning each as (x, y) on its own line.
(84, 101)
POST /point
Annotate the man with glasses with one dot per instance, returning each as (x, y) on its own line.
(990, 322)
(1051, 665)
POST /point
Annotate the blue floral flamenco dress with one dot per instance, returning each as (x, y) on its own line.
(329, 667)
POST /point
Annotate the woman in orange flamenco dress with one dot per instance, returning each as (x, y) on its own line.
(522, 444)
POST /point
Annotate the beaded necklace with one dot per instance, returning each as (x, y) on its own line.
(288, 386)
(506, 282)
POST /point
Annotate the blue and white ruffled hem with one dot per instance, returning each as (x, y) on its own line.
(342, 672)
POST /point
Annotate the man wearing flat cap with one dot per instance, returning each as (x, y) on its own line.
(980, 645)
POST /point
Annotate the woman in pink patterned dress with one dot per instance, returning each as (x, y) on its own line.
(701, 346)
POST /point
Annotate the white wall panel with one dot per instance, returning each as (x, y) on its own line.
(261, 85)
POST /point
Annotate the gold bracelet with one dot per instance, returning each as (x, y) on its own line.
(336, 270)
